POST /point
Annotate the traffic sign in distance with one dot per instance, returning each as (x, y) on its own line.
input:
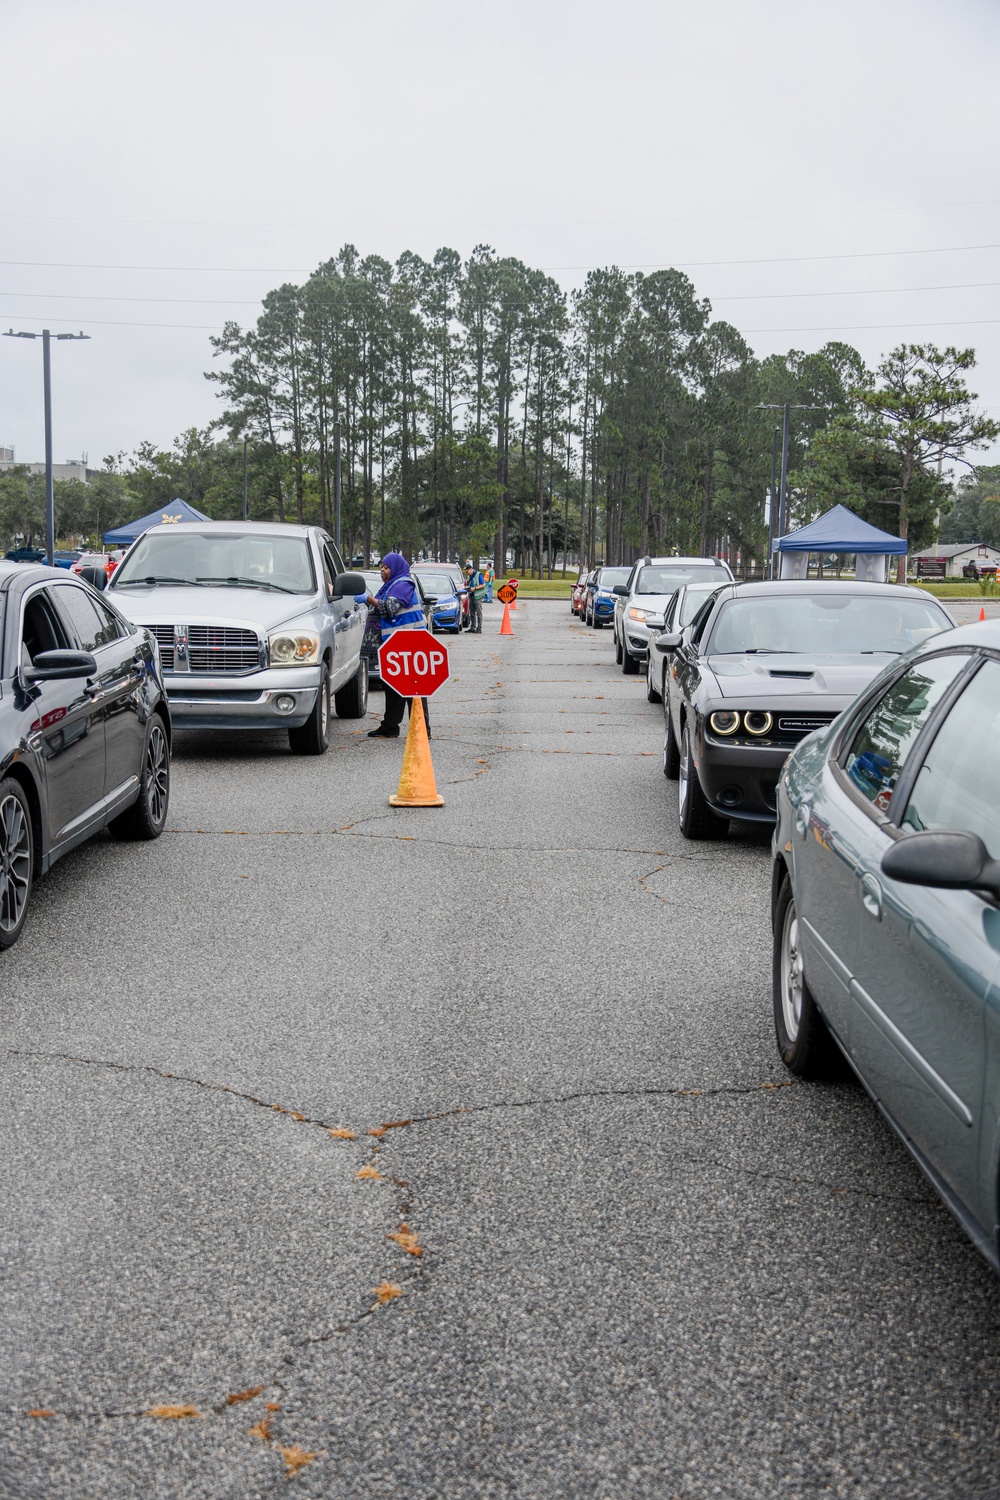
(413, 662)
(514, 584)
(506, 593)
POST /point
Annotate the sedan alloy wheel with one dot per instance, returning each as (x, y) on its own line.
(15, 861)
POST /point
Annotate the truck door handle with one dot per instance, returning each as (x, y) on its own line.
(871, 897)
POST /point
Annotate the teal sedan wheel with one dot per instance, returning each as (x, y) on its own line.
(806, 1046)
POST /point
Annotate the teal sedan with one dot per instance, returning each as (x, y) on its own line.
(886, 911)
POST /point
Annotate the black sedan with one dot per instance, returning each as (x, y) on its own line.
(761, 666)
(84, 729)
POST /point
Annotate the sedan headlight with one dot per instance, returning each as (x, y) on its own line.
(637, 614)
(298, 649)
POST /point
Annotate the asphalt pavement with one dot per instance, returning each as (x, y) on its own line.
(446, 1152)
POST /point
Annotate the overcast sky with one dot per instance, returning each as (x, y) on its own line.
(820, 170)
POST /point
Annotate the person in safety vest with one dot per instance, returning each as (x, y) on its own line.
(476, 586)
(490, 578)
(396, 607)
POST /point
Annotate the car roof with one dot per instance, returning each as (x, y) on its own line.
(980, 633)
(253, 528)
(34, 571)
(708, 562)
(776, 588)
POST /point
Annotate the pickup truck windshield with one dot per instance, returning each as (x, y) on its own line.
(280, 564)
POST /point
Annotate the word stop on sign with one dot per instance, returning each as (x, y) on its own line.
(413, 663)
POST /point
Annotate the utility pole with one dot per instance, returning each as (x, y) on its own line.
(772, 509)
(336, 485)
(50, 507)
(786, 408)
(244, 477)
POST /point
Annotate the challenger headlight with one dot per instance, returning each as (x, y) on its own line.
(757, 722)
(637, 614)
(298, 649)
(724, 722)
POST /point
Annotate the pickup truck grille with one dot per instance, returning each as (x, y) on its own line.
(210, 648)
(165, 640)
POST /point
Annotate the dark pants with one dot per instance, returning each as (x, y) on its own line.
(394, 705)
(475, 613)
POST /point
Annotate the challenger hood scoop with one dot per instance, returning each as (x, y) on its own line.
(781, 672)
(779, 675)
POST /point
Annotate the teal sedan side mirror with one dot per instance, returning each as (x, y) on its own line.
(957, 861)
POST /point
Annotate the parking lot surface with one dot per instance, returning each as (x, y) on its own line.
(447, 1152)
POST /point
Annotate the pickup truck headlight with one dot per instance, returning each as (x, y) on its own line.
(637, 614)
(293, 649)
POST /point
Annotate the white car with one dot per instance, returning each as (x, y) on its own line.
(651, 584)
(679, 613)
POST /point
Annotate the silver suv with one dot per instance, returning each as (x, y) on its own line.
(641, 601)
(256, 624)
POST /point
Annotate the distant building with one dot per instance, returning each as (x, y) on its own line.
(948, 559)
(72, 469)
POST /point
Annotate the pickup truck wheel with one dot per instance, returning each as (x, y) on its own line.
(313, 738)
(147, 816)
(351, 701)
(15, 860)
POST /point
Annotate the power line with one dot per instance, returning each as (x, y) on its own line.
(780, 260)
(953, 286)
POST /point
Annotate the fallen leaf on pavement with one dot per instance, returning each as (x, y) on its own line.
(262, 1430)
(407, 1240)
(387, 1292)
(342, 1135)
(369, 1172)
(235, 1397)
(41, 1411)
(173, 1413)
(296, 1458)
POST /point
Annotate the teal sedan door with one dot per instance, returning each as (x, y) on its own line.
(927, 959)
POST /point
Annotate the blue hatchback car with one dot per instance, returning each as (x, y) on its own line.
(600, 607)
(446, 613)
(886, 911)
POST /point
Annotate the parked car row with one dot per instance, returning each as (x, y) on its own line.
(865, 728)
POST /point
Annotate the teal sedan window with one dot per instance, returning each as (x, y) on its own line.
(958, 785)
(884, 740)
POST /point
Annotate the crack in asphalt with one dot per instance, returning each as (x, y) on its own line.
(353, 830)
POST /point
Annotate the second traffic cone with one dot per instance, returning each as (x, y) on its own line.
(417, 787)
(505, 625)
(982, 612)
(513, 603)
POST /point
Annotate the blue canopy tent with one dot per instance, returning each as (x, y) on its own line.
(177, 510)
(839, 530)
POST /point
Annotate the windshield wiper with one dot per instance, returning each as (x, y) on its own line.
(155, 578)
(248, 583)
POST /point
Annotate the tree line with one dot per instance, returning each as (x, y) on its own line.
(482, 409)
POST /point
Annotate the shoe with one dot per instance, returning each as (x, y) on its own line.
(384, 732)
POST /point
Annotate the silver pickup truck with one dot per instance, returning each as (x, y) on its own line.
(256, 625)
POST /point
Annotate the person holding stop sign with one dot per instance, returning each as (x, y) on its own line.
(398, 608)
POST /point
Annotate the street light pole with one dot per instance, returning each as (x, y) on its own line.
(244, 477)
(772, 509)
(336, 485)
(786, 408)
(50, 507)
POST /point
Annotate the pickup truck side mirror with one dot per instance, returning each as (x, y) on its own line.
(667, 643)
(951, 861)
(50, 666)
(349, 584)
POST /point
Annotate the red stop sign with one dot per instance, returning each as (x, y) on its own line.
(413, 662)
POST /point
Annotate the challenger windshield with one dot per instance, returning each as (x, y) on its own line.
(219, 559)
(824, 625)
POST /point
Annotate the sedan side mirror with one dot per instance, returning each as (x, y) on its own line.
(348, 584)
(621, 589)
(956, 861)
(430, 598)
(96, 577)
(48, 666)
(654, 622)
(667, 643)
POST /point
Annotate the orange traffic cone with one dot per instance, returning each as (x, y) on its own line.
(417, 787)
(513, 603)
(505, 626)
(982, 612)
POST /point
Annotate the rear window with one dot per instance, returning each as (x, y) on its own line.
(662, 578)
